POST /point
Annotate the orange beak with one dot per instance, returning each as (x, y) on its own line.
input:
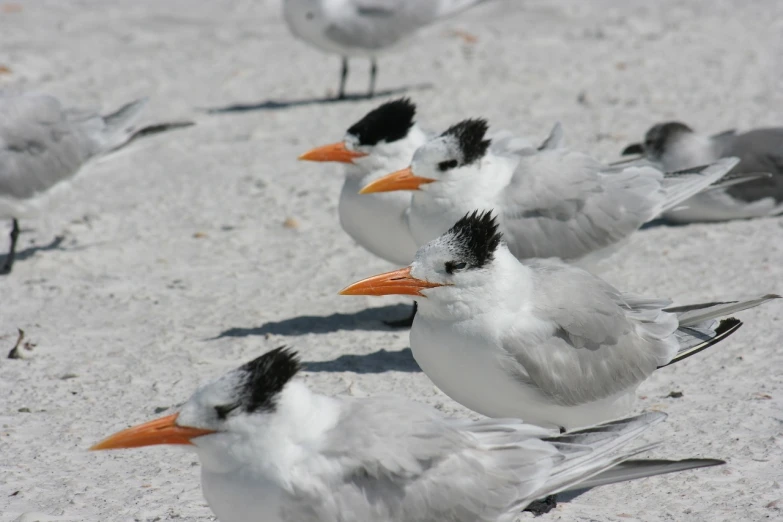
(401, 180)
(334, 152)
(158, 431)
(398, 282)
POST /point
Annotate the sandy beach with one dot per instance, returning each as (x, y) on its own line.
(187, 254)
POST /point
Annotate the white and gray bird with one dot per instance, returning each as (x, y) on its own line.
(364, 28)
(550, 202)
(271, 450)
(382, 141)
(43, 144)
(675, 146)
(539, 340)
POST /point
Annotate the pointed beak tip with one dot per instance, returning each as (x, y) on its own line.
(156, 432)
(403, 179)
(397, 282)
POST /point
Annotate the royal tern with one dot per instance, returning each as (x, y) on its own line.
(540, 340)
(382, 141)
(271, 450)
(43, 144)
(676, 146)
(364, 28)
(551, 202)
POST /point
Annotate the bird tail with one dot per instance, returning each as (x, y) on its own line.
(555, 140)
(681, 185)
(735, 178)
(589, 453)
(699, 328)
(633, 469)
(120, 126)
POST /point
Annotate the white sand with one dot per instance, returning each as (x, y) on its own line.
(176, 265)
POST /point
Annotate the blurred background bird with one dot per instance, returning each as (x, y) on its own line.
(364, 28)
(675, 146)
(43, 144)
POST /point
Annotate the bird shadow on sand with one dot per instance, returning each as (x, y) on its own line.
(368, 319)
(273, 105)
(376, 362)
(30, 251)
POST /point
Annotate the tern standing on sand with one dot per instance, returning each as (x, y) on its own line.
(271, 450)
(540, 340)
(551, 202)
(364, 28)
(382, 141)
(43, 144)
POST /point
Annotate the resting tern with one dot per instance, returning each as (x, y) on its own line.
(364, 28)
(271, 450)
(43, 144)
(382, 141)
(676, 146)
(552, 202)
(539, 340)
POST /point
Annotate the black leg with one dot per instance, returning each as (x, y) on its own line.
(373, 75)
(9, 262)
(343, 79)
(404, 323)
(543, 506)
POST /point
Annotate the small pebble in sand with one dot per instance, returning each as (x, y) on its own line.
(674, 395)
(291, 223)
(200, 235)
(11, 8)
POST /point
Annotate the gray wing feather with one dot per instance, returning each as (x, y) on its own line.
(412, 464)
(760, 150)
(555, 140)
(399, 461)
(560, 204)
(693, 315)
(600, 341)
(635, 469)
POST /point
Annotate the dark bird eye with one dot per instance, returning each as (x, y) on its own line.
(447, 165)
(224, 409)
(309, 16)
(451, 266)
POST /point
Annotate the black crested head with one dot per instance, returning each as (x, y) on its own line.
(389, 122)
(470, 137)
(476, 237)
(263, 378)
(660, 137)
